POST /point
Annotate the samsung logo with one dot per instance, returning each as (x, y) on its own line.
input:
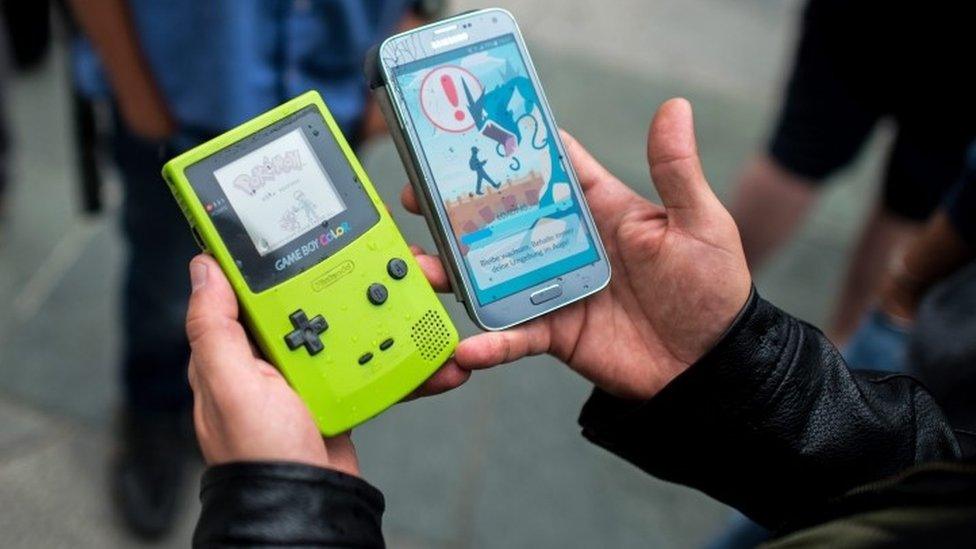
(447, 41)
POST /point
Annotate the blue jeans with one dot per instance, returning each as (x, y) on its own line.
(741, 533)
(879, 344)
(156, 286)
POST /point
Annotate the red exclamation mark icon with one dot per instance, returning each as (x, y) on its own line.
(450, 90)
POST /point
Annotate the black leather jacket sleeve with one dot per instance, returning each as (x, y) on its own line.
(772, 422)
(287, 505)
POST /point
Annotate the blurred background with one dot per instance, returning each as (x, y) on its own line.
(497, 463)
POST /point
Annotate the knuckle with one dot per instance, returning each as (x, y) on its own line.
(198, 326)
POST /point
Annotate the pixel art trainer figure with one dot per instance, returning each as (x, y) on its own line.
(478, 167)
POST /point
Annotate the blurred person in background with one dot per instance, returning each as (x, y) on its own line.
(936, 275)
(857, 64)
(25, 39)
(945, 246)
(178, 73)
(4, 137)
(698, 381)
(931, 297)
(942, 349)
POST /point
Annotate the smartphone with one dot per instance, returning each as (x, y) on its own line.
(481, 148)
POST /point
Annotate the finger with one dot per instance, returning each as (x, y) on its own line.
(672, 154)
(220, 346)
(267, 370)
(587, 168)
(494, 348)
(449, 376)
(409, 199)
(417, 250)
(434, 271)
(191, 375)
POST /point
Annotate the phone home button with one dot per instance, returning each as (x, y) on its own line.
(546, 294)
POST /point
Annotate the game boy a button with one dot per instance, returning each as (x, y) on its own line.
(546, 294)
(397, 268)
(306, 332)
(377, 293)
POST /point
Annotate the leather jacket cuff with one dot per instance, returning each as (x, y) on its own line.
(602, 409)
(266, 503)
(772, 422)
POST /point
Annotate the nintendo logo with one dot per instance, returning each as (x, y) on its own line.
(332, 275)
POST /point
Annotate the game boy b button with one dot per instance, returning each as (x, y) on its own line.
(545, 294)
(306, 332)
(397, 268)
(377, 293)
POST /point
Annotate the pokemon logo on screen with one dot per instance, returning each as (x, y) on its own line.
(276, 194)
(267, 170)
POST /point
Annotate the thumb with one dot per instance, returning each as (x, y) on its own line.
(676, 171)
(218, 341)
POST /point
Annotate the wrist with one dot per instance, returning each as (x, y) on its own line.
(323, 507)
(146, 117)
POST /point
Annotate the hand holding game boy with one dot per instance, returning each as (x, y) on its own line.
(244, 409)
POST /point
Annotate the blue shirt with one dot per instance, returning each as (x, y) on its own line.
(221, 62)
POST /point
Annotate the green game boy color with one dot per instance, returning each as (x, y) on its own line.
(328, 287)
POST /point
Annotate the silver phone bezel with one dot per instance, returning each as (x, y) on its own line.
(516, 308)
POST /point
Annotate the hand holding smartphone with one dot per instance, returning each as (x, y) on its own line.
(482, 151)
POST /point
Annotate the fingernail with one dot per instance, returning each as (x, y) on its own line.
(198, 274)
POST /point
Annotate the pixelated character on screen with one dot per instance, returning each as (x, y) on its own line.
(307, 206)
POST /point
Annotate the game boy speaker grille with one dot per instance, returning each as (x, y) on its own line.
(430, 335)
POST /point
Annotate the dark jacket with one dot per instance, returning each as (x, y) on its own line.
(770, 421)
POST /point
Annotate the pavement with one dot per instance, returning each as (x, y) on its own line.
(497, 463)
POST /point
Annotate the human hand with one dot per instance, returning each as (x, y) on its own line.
(938, 252)
(140, 101)
(146, 115)
(679, 274)
(899, 297)
(244, 410)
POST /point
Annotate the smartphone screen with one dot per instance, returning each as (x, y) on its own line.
(491, 151)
